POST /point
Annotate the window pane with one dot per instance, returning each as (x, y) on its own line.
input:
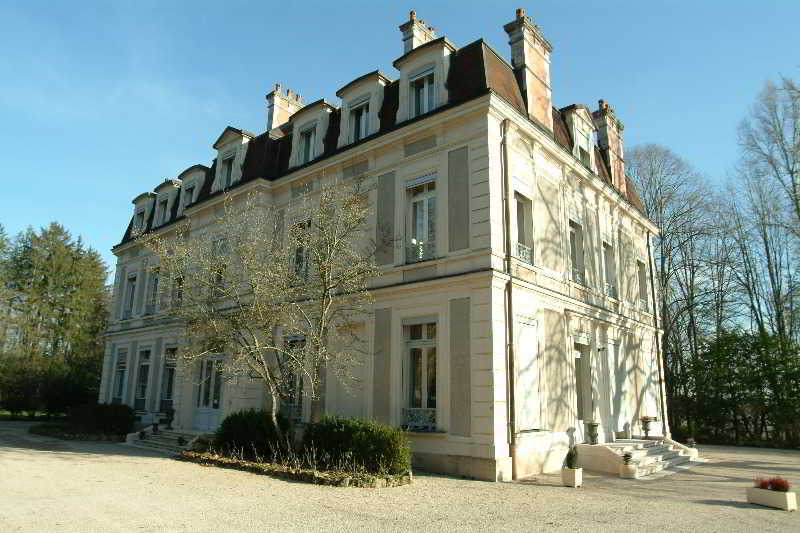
(415, 332)
(217, 387)
(430, 99)
(419, 95)
(141, 389)
(206, 383)
(431, 400)
(431, 330)
(432, 220)
(520, 221)
(416, 377)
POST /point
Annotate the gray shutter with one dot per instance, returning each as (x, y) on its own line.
(155, 366)
(121, 291)
(458, 199)
(384, 220)
(381, 367)
(460, 368)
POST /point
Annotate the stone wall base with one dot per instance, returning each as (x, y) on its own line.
(498, 469)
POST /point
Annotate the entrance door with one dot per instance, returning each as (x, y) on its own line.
(618, 378)
(583, 390)
(209, 398)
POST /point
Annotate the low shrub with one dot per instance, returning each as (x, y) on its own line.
(113, 419)
(249, 433)
(572, 457)
(352, 444)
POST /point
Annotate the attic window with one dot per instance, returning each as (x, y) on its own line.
(162, 209)
(583, 148)
(359, 117)
(188, 195)
(307, 145)
(227, 172)
(138, 223)
(423, 98)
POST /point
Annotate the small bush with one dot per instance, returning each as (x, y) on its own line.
(572, 457)
(352, 443)
(114, 419)
(249, 433)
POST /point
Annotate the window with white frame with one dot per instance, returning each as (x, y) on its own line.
(142, 380)
(138, 223)
(292, 403)
(300, 258)
(641, 272)
(119, 376)
(188, 196)
(152, 296)
(227, 172)
(130, 297)
(420, 368)
(168, 379)
(576, 252)
(307, 140)
(423, 95)
(359, 118)
(524, 228)
(421, 219)
(582, 139)
(162, 210)
(610, 270)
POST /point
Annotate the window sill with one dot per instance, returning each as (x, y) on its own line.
(427, 434)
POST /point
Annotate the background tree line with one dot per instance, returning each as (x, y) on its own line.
(727, 273)
(53, 313)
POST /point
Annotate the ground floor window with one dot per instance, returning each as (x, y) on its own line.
(168, 380)
(142, 380)
(420, 383)
(210, 384)
(119, 376)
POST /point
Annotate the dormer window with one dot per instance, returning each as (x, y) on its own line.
(307, 139)
(227, 172)
(138, 223)
(162, 210)
(359, 117)
(188, 194)
(583, 148)
(423, 98)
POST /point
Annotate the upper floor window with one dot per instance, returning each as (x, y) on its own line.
(423, 97)
(130, 296)
(610, 268)
(524, 228)
(421, 219)
(307, 139)
(576, 252)
(227, 172)
(162, 210)
(359, 117)
(150, 307)
(583, 148)
(641, 273)
(188, 196)
(138, 223)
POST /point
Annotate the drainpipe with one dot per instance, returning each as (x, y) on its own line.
(659, 353)
(510, 378)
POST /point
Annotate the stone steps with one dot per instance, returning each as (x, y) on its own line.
(650, 456)
(166, 441)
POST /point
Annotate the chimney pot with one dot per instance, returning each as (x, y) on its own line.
(412, 15)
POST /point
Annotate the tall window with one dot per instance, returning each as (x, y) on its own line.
(576, 252)
(138, 223)
(227, 170)
(359, 117)
(119, 376)
(420, 413)
(423, 97)
(293, 399)
(300, 257)
(177, 291)
(210, 384)
(142, 380)
(188, 196)
(641, 273)
(524, 228)
(150, 308)
(307, 145)
(610, 267)
(130, 297)
(168, 380)
(162, 210)
(421, 218)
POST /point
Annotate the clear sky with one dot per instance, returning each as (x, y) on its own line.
(100, 101)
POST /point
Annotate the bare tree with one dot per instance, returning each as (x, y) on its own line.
(272, 293)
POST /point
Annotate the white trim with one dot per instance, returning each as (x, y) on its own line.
(428, 178)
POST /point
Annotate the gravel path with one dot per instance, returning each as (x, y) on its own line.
(52, 485)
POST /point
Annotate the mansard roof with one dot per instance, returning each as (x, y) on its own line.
(475, 70)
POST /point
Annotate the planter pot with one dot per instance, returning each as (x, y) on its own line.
(572, 477)
(591, 430)
(772, 498)
(628, 471)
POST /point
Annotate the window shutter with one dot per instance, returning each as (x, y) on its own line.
(155, 374)
(130, 373)
(381, 367)
(384, 223)
(460, 368)
(458, 199)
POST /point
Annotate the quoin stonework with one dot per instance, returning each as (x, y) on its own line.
(515, 304)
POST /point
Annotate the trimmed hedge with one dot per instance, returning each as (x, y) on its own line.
(340, 442)
(110, 419)
(250, 433)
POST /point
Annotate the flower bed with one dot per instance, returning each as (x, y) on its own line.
(70, 432)
(332, 478)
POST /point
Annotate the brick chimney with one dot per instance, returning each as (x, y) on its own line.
(530, 57)
(281, 106)
(611, 142)
(415, 32)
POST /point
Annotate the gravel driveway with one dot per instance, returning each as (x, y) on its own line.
(52, 485)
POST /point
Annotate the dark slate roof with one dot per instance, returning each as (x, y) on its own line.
(475, 70)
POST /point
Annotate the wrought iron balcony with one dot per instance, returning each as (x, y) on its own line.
(524, 253)
(416, 253)
(611, 290)
(578, 276)
(416, 419)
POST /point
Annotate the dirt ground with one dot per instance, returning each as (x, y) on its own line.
(52, 485)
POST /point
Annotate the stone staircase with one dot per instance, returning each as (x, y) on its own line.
(166, 441)
(649, 457)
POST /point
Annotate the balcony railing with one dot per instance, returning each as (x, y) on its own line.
(611, 290)
(578, 276)
(416, 419)
(524, 253)
(420, 252)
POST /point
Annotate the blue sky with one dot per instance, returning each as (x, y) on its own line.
(100, 101)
